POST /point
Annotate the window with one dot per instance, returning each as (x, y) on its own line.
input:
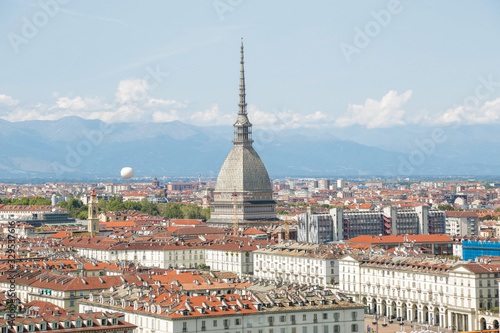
(89, 322)
(237, 321)
(354, 315)
(203, 327)
(66, 324)
(325, 328)
(19, 328)
(354, 327)
(336, 317)
(282, 319)
(283, 330)
(115, 321)
(78, 323)
(315, 318)
(315, 329)
(304, 329)
(184, 327)
(249, 322)
(71, 303)
(304, 317)
(259, 321)
(336, 328)
(31, 328)
(292, 318)
(294, 329)
(226, 323)
(81, 293)
(325, 315)
(215, 323)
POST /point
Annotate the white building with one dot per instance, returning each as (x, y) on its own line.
(448, 293)
(297, 262)
(459, 223)
(281, 311)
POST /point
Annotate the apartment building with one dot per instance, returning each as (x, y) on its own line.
(297, 262)
(341, 225)
(284, 310)
(460, 223)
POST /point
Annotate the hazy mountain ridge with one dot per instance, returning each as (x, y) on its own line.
(73, 147)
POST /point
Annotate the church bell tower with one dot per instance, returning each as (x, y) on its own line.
(93, 220)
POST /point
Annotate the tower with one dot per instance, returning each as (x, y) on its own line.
(243, 176)
(93, 220)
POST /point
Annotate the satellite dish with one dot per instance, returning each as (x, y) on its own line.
(127, 173)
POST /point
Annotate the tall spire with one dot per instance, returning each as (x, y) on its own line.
(242, 127)
(242, 104)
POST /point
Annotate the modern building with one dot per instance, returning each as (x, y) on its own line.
(461, 223)
(243, 191)
(474, 249)
(35, 215)
(341, 225)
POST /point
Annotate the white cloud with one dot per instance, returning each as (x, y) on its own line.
(8, 101)
(488, 112)
(211, 117)
(154, 102)
(377, 114)
(287, 118)
(132, 90)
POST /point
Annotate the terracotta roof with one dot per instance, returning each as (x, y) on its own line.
(396, 239)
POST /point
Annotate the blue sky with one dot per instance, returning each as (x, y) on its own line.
(414, 62)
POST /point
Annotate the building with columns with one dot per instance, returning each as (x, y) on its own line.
(453, 294)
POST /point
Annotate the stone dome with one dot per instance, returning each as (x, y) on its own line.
(243, 171)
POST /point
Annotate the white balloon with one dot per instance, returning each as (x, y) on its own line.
(127, 173)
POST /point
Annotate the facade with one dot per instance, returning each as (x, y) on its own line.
(62, 290)
(315, 228)
(448, 293)
(342, 225)
(280, 311)
(70, 323)
(243, 191)
(297, 262)
(460, 223)
(474, 249)
(232, 254)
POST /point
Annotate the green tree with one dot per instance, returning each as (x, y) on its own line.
(446, 207)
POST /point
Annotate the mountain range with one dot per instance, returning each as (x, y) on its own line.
(76, 148)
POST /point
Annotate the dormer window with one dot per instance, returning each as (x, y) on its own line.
(19, 328)
(4, 329)
(89, 323)
(31, 327)
(43, 327)
(115, 321)
(78, 323)
(66, 324)
(55, 325)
